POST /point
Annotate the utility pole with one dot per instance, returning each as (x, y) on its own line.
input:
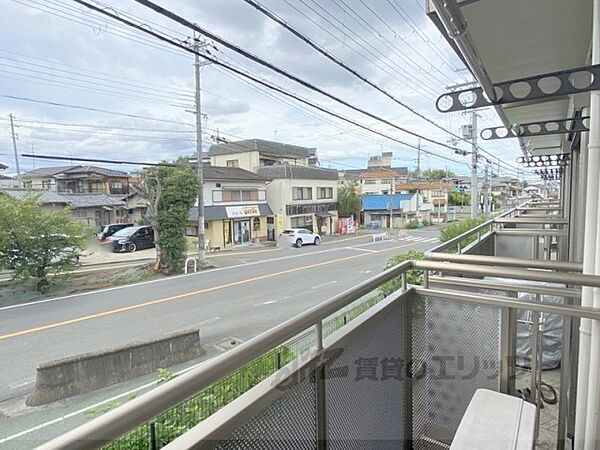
(14, 139)
(474, 155)
(199, 164)
(418, 175)
(485, 189)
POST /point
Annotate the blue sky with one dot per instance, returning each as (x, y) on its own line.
(57, 51)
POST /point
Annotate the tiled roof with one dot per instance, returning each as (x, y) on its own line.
(89, 200)
(381, 202)
(73, 200)
(45, 171)
(297, 172)
(262, 146)
(42, 195)
(52, 171)
(215, 173)
(96, 169)
(3, 166)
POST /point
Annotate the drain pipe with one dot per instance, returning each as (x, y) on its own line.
(455, 24)
(588, 375)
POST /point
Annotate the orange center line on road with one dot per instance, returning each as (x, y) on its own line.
(187, 294)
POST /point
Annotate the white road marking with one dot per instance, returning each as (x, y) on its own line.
(362, 249)
(204, 272)
(18, 385)
(318, 286)
(269, 302)
(95, 405)
(366, 271)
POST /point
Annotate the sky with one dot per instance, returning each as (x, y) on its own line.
(117, 93)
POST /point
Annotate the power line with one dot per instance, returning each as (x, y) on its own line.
(87, 108)
(252, 77)
(349, 69)
(102, 161)
(271, 66)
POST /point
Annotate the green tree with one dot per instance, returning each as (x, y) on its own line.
(431, 174)
(35, 243)
(459, 198)
(171, 191)
(349, 200)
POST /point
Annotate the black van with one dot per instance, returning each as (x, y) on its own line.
(112, 228)
(133, 238)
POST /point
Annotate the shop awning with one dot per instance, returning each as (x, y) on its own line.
(219, 212)
(323, 215)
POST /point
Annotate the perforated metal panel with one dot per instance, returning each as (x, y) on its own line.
(365, 387)
(456, 350)
(289, 423)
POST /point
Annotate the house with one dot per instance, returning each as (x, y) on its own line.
(78, 179)
(5, 180)
(235, 208)
(400, 208)
(300, 193)
(95, 210)
(378, 178)
(250, 154)
(302, 197)
(432, 192)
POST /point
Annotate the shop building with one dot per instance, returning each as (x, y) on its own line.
(235, 208)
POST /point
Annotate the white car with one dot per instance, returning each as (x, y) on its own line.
(301, 236)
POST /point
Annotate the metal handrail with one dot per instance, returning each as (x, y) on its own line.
(533, 220)
(119, 421)
(500, 219)
(504, 261)
(506, 286)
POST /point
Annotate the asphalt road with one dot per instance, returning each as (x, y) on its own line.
(255, 291)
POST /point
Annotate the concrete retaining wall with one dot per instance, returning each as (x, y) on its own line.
(83, 373)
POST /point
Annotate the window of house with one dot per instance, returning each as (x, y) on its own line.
(95, 187)
(270, 220)
(130, 211)
(386, 181)
(370, 181)
(325, 192)
(191, 231)
(302, 193)
(233, 163)
(302, 222)
(116, 185)
(256, 224)
(80, 213)
(45, 184)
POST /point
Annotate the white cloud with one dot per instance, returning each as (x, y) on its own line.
(403, 63)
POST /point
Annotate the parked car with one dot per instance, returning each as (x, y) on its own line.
(112, 228)
(131, 239)
(301, 236)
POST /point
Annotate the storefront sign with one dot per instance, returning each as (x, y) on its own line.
(279, 224)
(233, 212)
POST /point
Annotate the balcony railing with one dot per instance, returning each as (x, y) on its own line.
(367, 369)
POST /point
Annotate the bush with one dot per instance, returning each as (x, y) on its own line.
(412, 276)
(457, 228)
(412, 224)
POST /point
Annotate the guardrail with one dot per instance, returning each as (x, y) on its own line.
(136, 412)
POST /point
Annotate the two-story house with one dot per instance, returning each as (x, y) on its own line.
(378, 178)
(434, 194)
(235, 208)
(78, 180)
(300, 194)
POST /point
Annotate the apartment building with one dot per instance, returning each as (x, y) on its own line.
(300, 194)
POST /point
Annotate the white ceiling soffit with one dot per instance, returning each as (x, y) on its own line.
(521, 38)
